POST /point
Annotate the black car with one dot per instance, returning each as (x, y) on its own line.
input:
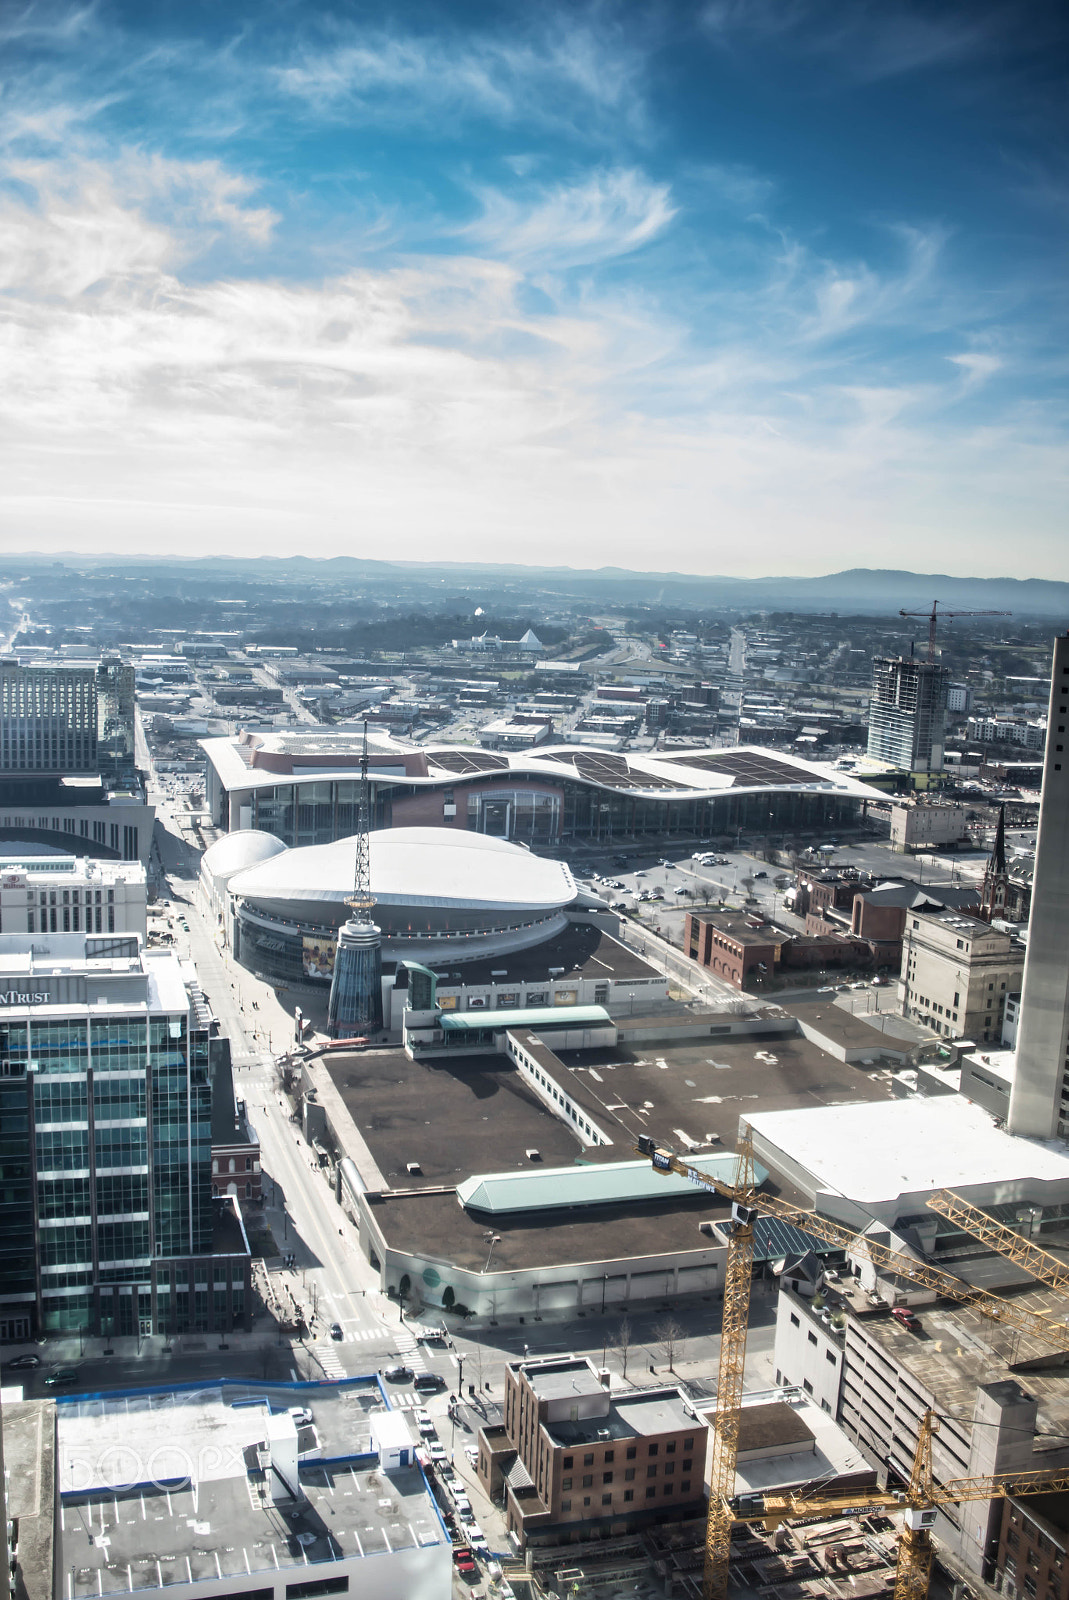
(336, 1331)
(22, 1362)
(428, 1382)
(398, 1374)
(61, 1377)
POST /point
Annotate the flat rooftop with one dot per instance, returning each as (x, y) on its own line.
(169, 1484)
(459, 1116)
(957, 1349)
(434, 1223)
(30, 1463)
(451, 1115)
(909, 1147)
(456, 1116)
(690, 1095)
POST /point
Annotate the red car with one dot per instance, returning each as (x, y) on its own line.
(464, 1561)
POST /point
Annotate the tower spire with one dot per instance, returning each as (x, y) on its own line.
(996, 878)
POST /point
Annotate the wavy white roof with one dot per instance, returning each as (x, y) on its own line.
(415, 866)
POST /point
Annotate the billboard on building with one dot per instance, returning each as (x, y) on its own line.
(317, 957)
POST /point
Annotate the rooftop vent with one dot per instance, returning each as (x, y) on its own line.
(413, 1169)
(499, 972)
(557, 972)
(533, 1155)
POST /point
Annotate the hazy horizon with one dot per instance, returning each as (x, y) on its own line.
(730, 288)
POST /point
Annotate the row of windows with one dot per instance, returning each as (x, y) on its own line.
(629, 1473)
(629, 1494)
(652, 1449)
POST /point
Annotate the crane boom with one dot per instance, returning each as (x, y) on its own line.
(918, 1273)
(934, 613)
(1022, 1252)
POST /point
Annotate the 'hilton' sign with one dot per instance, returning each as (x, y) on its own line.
(20, 997)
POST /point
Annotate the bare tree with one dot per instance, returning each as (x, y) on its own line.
(621, 1341)
(670, 1336)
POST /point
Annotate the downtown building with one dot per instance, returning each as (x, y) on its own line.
(907, 713)
(68, 778)
(107, 1222)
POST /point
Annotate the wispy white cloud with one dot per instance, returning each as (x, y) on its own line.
(559, 71)
(66, 228)
(605, 215)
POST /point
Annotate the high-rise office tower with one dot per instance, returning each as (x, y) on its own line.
(907, 713)
(106, 1213)
(48, 718)
(1039, 1099)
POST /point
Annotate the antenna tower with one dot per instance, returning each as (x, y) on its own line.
(362, 900)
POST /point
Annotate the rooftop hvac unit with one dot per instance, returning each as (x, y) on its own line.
(499, 972)
(557, 972)
(414, 1169)
(533, 1155)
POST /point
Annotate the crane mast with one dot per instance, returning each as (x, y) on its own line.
(738, 1279)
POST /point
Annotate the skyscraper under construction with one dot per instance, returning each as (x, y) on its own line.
(907, 713)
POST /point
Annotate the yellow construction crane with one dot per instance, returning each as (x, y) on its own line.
(918, 1502)
(1022, 1252)
(738, 1277)
(935, 612)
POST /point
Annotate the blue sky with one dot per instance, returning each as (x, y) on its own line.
(747, 286)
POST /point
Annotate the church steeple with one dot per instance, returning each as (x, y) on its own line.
(996, 878)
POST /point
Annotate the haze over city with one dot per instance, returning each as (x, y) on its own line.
(725, 288)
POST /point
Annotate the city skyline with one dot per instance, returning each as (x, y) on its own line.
(717, 288)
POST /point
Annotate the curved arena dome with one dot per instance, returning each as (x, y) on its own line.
(236, 852)
(426, 882)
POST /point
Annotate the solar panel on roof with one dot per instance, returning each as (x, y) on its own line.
(747, 768)
(461, 761)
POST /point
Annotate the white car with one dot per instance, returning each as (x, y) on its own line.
(301, 1416)
(425, 1424)
(436, 1452)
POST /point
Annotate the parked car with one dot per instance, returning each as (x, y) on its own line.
(464, 1561)
(907, 1318)
(61, 1377)
(437, 1451)
(398, 1374)
(301, 1416)
(23, 1363)
(425, 1423)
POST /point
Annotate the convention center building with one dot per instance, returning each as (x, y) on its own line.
(304, 789)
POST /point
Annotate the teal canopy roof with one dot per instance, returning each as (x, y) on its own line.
(600, 1184)
(537, 1018)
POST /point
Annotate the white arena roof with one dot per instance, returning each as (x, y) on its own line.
(415, 866)
(887, 1157)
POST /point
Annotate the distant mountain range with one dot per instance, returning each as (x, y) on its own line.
(879, 591)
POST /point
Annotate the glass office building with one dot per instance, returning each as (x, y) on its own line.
(105, 1144)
